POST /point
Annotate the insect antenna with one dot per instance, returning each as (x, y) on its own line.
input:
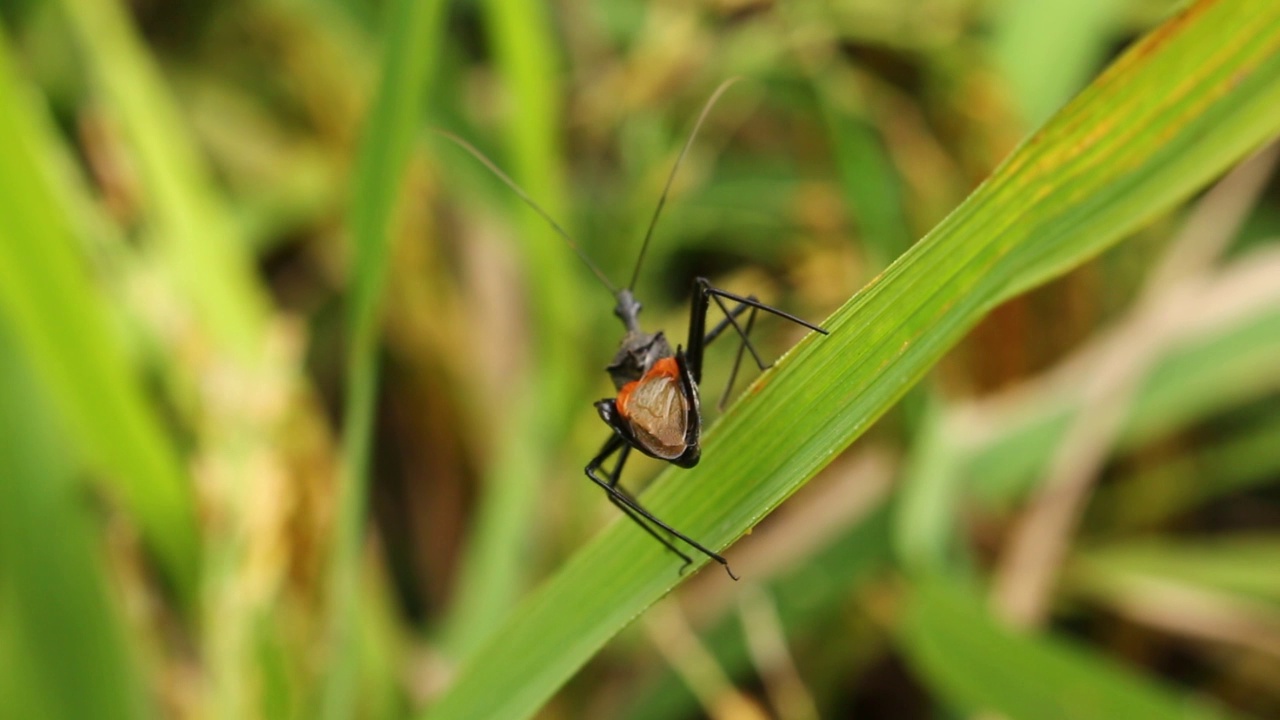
(662, 200)
(493, 168)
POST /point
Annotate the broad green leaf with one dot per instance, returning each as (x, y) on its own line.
(872, 188)
(56, 316)
(924, 525)
(978, 666)
(63, 648)
(1171, 114)
(1046, 48)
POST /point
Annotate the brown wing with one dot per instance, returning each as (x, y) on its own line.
(657, 410)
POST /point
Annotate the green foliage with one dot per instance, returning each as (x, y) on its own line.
(59, 321)
(983, 667)
(414, 31)
(294, 404)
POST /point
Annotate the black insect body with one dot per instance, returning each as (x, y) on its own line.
(657, 408)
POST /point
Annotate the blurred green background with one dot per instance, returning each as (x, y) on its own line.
(295, 396)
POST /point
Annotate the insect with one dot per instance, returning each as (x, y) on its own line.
(657, 408)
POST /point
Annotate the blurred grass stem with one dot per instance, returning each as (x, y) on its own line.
(413, 31)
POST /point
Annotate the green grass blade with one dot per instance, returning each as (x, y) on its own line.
(978, 666)
(1173, 113)
(413, 33)
(63, 649)
(872, 187)
(56, 316)
(1243, 565)
(930, 489)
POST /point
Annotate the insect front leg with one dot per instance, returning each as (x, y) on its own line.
(635, 510)
(623, 453)
(619, 496)
(614, 478)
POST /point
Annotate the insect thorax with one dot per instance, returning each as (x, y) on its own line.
(637, 353)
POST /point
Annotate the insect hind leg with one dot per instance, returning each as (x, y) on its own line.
(737, 358)
(704, 291)
(704, 286)
(731, 320)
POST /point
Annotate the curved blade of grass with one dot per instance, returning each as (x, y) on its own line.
(413, 33)
(57, 316)
(871, 184)
(1175, 111)
(1244, 288)
(979, 666)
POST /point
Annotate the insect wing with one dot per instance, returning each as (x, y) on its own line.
(657, 409)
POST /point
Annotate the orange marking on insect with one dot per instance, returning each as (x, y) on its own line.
(657, 410)
(666, 367)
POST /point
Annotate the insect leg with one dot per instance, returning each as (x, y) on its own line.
(746, 341)
(703, 292)
(705, 286)
(634, 508)
(723, 325)
(614, 477)
(623, 453)
(737, 360)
